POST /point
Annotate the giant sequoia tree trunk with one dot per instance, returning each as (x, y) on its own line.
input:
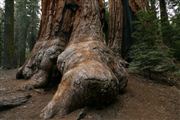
(71, 40)
(55, 30)
(121, 16)
(115, 25)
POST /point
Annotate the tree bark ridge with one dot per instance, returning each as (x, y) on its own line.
(71, 39)
(115, 25)
(92, 74)
(54, 34)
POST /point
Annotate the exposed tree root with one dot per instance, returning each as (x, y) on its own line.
(55, 30)
(40, 64)
(9, 100)
(92, 74)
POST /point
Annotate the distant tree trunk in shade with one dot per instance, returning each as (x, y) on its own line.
(1, 39)
(71, 47)
(0, 44)
(8, 35)
(21, 29)
(128, 18)
(165, 27)
(34, 23)
(163, 10)
(32, 40)
(153, 5)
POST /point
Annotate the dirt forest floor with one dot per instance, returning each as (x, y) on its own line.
(142, 100)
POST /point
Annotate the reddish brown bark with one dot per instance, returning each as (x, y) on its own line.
(137, 5)
(115, 25)
(116, 21)
(55, 30)
(91, 72)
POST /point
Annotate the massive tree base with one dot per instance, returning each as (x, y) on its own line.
(92, 74)
(42, 63)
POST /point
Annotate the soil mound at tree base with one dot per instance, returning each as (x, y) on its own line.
(142, 100)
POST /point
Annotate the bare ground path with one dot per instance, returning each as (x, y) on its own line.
(143, 100)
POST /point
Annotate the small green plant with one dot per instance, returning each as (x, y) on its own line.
(149, 55)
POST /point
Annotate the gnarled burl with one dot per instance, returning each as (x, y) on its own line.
(92, 74)
(55, 30)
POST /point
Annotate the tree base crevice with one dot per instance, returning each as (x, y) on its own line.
(88, 78)
(92, 74)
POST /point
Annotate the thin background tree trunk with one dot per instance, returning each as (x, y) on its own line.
(165, 27)
(1, 38)
(8, 35)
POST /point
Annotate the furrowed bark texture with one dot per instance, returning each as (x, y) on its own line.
(116, 22)
(55, 29)
(115, 25)
(92, 74)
